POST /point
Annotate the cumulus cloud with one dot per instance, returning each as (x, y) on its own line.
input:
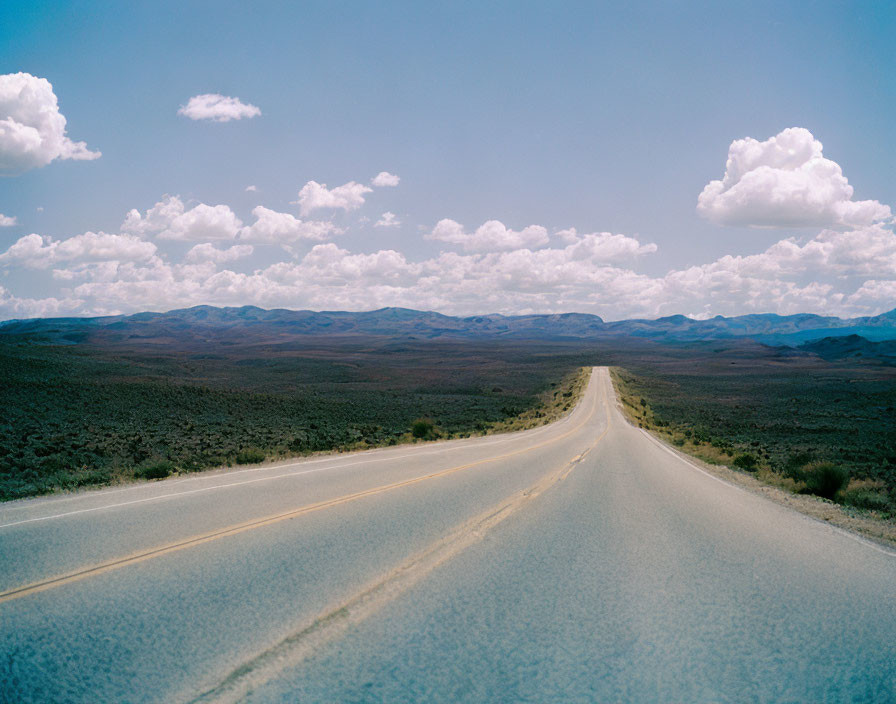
(8, 221)
(203, 222)
(218, 108)
(785, 181)
(12, 307)
(494, 269)
(607, 247)
(869, 251)
(348, 196)
(587, 275)
(157, 218)
(271, 227)
(40, 252)
(327, 263)
(387, 219)
(251, 189)
(32, 130)
(871, 294)
(568, 236)
(170, 220)
(491, 236)
(384, 179)
(207, 252)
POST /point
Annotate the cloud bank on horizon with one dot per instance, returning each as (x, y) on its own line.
(180, 252)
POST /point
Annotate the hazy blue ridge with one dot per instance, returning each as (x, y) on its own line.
(770, 329)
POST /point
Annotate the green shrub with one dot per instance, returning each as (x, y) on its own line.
(867, 494)
(746, 461)
(250, 455)
(92, 477)
(422, 428)
(868, 500)
(154, 469)
(824, 479)
(794, 465)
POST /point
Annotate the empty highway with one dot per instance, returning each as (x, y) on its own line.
(581, 561)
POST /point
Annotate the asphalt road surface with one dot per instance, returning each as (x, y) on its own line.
(578, 562)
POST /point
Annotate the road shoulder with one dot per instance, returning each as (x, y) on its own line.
(859, 524)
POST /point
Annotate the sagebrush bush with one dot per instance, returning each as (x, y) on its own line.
(250, 455)
(867, 494)
(422, 428)
(795, 463)
(824, 479)
(154, 469)
(746, 461)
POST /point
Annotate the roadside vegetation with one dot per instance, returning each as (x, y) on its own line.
(114, 406)
(813, 436)
(78, 416)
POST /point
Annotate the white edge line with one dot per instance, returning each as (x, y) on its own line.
(288, 475)
(838, 529)
(211, 474)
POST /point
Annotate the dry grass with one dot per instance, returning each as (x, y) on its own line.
(554, 404)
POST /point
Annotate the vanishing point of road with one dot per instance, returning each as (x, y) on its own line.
(578, 562)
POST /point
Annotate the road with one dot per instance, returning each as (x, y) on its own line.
(581, 561)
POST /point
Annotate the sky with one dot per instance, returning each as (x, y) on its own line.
(623, 159)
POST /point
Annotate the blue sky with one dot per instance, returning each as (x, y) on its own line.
(610, 119)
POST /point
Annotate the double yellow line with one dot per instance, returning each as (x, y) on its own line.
(201, 539)
(334, 620)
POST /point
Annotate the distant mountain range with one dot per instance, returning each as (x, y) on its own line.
(852, 347)
(253, 322)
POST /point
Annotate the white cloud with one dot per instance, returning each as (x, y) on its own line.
(271, 227)
(12, 307)
(785, 182)
(387, 219)
(157, 218)
(207, 252)
(349, 196)
(8, 221)
(384, 179)
(496, 269)
(872, 295)
(32, 130)
(567, 236)
(218, 108)
(251, 189)
(606, 247)
(329, 263)
(491, 236)
(869, 251)
(39, 252)
(582, 276)
(203, 222)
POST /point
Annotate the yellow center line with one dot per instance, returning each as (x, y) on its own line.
(201, 539)
(335, 620)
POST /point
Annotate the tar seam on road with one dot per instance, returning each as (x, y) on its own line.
(293, 649)
(143, 555)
